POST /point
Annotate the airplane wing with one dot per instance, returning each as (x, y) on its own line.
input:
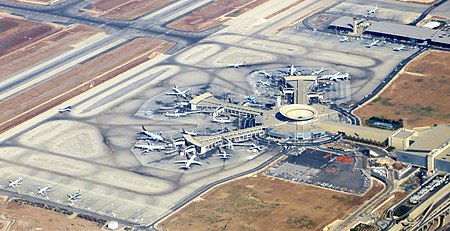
(180, 162)
(197, 162)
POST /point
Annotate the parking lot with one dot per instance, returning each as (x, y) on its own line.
(323, 168)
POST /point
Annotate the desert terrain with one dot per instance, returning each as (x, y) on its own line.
(255, 203)
(78, 79)
(17, 33)
(421, 93)
(27, 217)
(57, 43)
(125, 9)
(213, 14)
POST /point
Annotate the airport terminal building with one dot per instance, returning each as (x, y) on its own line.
(427, 148)
(413, 34)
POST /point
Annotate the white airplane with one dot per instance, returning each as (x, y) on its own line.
(192, 133)
(237, 65)
(73, 198)
(266, 83)
(223, 155)
(175, 114)
(373, 10)
(189, 162)
(43, 191)
(266, 74)
(178, 92)
(318, 71)
(335, 77)
(373, 43)
(151, 135)
(170, 107)
(400, 48)
(255, 148)
(344, 39)
(15, 183)
(66, 109)
(149, 147)
(221, 120)
(292, 70)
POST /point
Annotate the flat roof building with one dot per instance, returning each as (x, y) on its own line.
(429, 148)
(395, 30)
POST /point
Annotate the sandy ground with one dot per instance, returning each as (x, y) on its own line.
(213, 14)
(264, 203)
(35, 2)
(421, 93)
(429, 2)
(33, 218)
(125, 9)
(34, 53)
(17, 33)
(79, 79)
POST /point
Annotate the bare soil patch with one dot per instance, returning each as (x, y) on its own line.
(79, 79)
(421, 93)
(427, 2)
(17, 33)
(35, 2)
(48, 47)
(265, 203)
(126, 9)
(213, 14)
(33, 218)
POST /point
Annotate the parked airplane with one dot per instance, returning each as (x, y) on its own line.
(344, 39)
(192, 133)
(15, 183)
(66, 109)
(223, 155)
(266, 74)
(189, 162)
(171, 107)
(43, 191)
(373, 43)
(73, 198)
(400, 48)
(373, 10)
(149, 147)
(175, 114)
(264, 83)
(318, 71)
(292, 70)
(151, 135)
(335, 77)
(221, 120)
(237, 65)
(252, 100)
(178, 92)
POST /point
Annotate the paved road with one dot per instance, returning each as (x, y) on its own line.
(370, 205)
(426, 12)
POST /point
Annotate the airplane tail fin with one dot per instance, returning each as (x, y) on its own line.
(229, 100)
(143, 128)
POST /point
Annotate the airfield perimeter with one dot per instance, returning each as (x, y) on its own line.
(89, 149)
